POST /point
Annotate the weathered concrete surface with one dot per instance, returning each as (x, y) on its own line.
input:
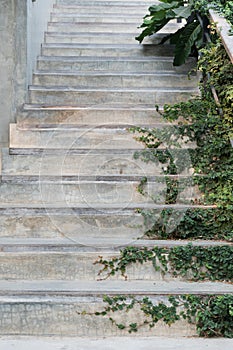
(17, 53)
(7, 60)
(38, 16)
(114, 343)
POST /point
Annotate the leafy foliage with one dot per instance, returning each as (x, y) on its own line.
(198, 121)
(187, 39)
(212, 315)
(195, 223)
(191, 262)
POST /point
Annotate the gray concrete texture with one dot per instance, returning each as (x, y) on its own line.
(114, 343)
(20, 37)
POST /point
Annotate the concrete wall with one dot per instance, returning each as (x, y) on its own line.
(38, 17)
(22, 24)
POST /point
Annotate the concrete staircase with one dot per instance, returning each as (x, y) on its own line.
(69, 179)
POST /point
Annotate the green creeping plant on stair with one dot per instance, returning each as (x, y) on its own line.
(211, 314)
(187, 39)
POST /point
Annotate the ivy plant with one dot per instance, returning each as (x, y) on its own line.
(195, 263)
(211, 314)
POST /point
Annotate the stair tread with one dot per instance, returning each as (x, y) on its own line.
(94, 245)
(98, 288)
(66, 88)
(111, 73)
(113, 343)
(110, 107)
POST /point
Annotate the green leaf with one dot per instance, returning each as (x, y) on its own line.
(186, 42)
(183, 11)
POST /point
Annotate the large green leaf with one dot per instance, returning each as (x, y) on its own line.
(183, 11)
(191, 33)
(173, 37)
(159, 16)
(163, 7)
(151, 29)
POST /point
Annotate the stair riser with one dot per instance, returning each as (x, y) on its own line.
(137, 10)
(103, 97)
(117, 18)
(82, 229)
(115, 81)
(93, 140)
(109, 2)
(94, 28)
(92, 195)
(69, 266)
(63, 317)
(114, 65)
(88, 117)
(98, 38)
(98, 51)
(92, 165)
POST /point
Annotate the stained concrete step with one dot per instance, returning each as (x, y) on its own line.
(129, 8)
(106, 50)
(105, 64)
(77, 2)
(105, 227)
(70, 263)
(92, 194)
(114, 80)
(114, 343)
(60, 27)
(101, 38)
(106, 25)
(106, 3)
(62, 244)
(62, 95)
(102, 227)
(99, 18)
(90, 140)
(100, 288)
(43, 117)
(67, 308)
(119, 166)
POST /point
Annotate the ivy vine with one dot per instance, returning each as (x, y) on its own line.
(197, 121)
(212, 315)
(195, 263)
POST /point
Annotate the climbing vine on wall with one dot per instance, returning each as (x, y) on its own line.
(212, 315)
(199, 121)
(191, 262)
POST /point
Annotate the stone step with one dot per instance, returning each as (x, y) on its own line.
(60, 27)
(99, 18)
(105, 64)
(100, 38)
(62, 95)
(95, 245)
(104, 2)
(67, 307)
(90, 140)
(92, 191)
(101, 228)
(125, 9)
(106, 50)
(72, 263)
(93, 194)
(114, 80)
(108, 28)
(114, 343)
(87, 194)
(120, 166)
(43, 117)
